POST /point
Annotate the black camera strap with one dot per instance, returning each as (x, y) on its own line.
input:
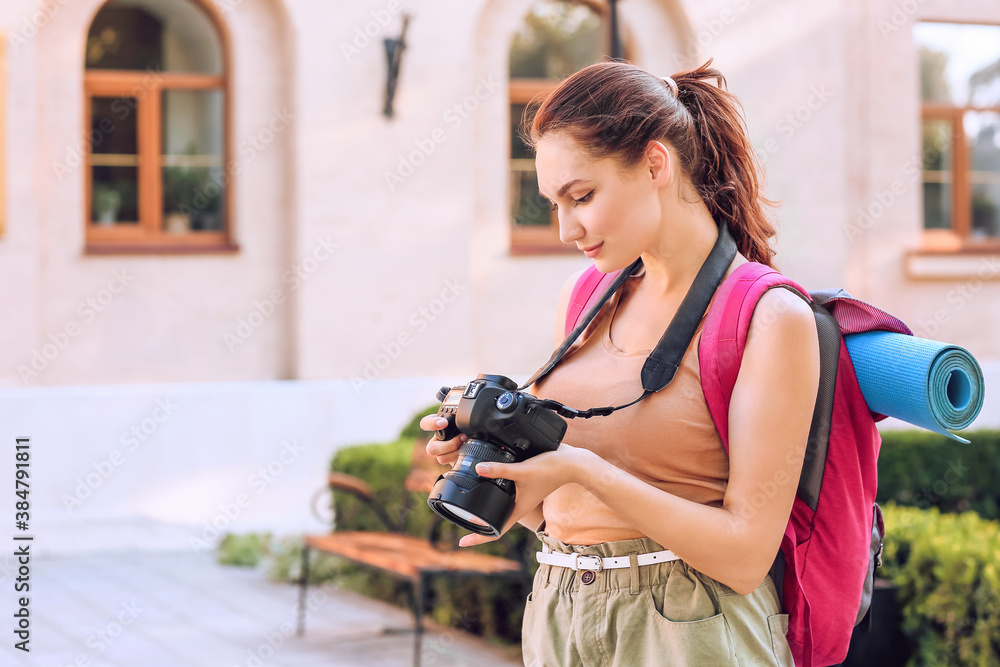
(583, 324)
(662, 363)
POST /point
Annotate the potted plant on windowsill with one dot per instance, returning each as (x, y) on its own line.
(182, 188)
(107, 203)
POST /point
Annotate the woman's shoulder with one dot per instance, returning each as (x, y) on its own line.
(563, 304)
(780, 304)
(782, 323)
(571, 282)
(567, 290)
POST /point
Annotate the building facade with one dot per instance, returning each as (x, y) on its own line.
(336, 264)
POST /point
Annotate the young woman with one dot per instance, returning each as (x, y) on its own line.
(639, 166)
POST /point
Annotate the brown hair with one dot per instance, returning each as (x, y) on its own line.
(614, 109)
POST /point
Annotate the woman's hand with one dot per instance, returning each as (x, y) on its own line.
(446, 451)
(534, 479)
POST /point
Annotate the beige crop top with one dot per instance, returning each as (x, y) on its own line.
(667, 440)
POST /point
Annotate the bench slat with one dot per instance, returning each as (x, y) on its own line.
(406, 555)
(339, 481)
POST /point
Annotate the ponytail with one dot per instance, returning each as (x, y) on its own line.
(722, 163)
(614, 109)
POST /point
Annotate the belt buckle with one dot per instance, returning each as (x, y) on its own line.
(576, 562)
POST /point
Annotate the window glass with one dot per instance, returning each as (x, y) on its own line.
(192, 160)
(158, 35)
(527, 205)
(982, 133)
(518, 149)
(114, 161)
(556, 39)
(959, 63)
(937, 161)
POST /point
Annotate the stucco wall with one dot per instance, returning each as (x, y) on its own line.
(77, 318)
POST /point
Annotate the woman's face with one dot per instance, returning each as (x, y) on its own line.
(612, 215)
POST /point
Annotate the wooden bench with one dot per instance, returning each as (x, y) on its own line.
(414, 560)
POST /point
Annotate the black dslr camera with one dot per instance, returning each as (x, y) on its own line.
(503, 425)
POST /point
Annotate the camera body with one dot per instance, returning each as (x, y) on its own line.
(492, 410)
(503, 425)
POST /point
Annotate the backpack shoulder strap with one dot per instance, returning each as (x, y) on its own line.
(724, 335)
(589, 287)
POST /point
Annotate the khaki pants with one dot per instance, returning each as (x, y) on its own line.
(661, 614)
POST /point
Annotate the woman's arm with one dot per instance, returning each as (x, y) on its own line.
(769, 417)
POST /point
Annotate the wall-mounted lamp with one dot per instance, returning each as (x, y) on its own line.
(616, 44)
(394, 56)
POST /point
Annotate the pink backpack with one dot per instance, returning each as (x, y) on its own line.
(833, 541)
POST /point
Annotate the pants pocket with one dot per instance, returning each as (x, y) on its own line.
(527, 631)
(529, 613)
(705, 641)
(777, 625)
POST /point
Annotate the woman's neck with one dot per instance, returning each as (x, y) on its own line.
(687, 236)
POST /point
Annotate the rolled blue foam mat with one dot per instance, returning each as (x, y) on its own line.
(926, 383)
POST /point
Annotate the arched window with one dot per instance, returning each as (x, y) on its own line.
(156, 105)
(556, 39)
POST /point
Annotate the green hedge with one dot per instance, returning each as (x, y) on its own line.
(924, 469)
(489, 607)
(281, 556)
(948, 577)
(246, 550)
(412, 429)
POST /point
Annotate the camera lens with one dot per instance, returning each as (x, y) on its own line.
(475, 503)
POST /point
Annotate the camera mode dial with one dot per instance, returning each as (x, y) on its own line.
(506, 402)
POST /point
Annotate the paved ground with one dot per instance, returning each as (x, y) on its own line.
(181, 609)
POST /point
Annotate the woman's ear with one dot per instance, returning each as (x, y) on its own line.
(660, 162)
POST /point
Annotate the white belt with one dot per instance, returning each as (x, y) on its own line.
(577, 561)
